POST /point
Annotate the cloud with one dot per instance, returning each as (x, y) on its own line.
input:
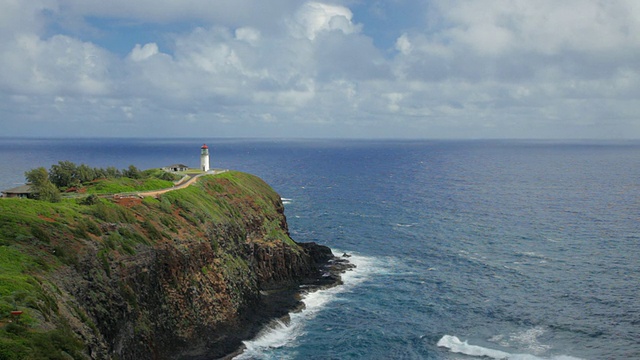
(24, 16)
(522, 32)
(233, 13)
(248, 34)
(241, 66)
(403, 44)
(527, 65)
(59, 65)
(141, 53)
(249, 68)
(314, 17)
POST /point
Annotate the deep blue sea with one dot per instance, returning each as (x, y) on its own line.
(465, 249)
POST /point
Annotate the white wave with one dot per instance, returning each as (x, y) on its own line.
(462, 347)
(455, 345)
(282, 334)
(286, 201)
(404, 225)
(277, 335)
(528, 340)
(531, 254)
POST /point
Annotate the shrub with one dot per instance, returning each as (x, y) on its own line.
(112, 213)
(152, 232)
(90, 200)
(40, 234)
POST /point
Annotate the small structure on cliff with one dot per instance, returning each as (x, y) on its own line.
(176, 168)
(204, 158)
(204, 162)
(22, 191)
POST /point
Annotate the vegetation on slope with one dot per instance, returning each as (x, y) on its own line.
(40, 240)
(69, 177)
(26, 253)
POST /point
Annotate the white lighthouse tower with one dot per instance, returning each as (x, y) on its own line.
(204, 158)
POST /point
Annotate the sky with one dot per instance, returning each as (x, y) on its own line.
(455, 69)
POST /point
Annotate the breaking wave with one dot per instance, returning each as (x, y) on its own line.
(455, 345)
(282, 333)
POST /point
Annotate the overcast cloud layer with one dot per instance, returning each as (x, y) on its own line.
(284, 68)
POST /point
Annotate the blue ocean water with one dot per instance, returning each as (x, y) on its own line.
(465, 249)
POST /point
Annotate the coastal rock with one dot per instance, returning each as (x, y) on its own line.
(188, 275)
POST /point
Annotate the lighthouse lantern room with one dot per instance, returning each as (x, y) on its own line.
(204, 158)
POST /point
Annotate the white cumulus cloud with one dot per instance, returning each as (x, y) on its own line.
(403, 44)
(466, 68)
(141, 53)
(315, 17)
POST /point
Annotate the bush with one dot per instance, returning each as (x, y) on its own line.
(132, 172)
(93, 228)
(90, 200)
(18, 342)
(105, 212)
(153, 233)
(112, 213)
(40, 234)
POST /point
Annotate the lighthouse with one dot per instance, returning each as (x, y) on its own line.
(204, 158)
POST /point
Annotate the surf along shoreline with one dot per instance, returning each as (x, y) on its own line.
(277, 305)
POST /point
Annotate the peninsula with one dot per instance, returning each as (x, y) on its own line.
(185, 274)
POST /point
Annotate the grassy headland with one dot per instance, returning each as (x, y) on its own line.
(84, 270)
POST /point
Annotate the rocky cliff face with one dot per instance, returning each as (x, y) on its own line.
(188, 275)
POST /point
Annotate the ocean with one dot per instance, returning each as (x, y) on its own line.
(492, 249)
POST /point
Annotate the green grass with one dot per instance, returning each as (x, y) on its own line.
(109, 212)
(275, 232)
(161, 174)
(18, 342)
(21, 216)
(38, 237)
(126, 185)
(234, 200)
(20, 290)
(193, 201)
(13, 277)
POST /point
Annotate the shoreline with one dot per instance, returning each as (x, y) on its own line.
(283, 302)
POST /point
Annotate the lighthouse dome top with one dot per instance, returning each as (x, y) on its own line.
(204, 146)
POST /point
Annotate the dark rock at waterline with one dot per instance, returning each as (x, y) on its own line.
(277, 304)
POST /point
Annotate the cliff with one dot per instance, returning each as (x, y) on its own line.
(186, 275)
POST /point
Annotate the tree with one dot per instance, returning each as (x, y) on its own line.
(85, 174)
(37, 177)
(43, 188)
(112, 172)
(64, 174)
(132, 172)
(49, 192)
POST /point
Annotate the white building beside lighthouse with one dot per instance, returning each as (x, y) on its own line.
(204, 158)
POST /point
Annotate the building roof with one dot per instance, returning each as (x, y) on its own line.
(177, 166)
(22, 189)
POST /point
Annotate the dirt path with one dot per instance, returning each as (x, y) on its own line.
(192, 180)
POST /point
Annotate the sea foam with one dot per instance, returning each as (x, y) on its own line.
(455, 345)
(281, 333)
